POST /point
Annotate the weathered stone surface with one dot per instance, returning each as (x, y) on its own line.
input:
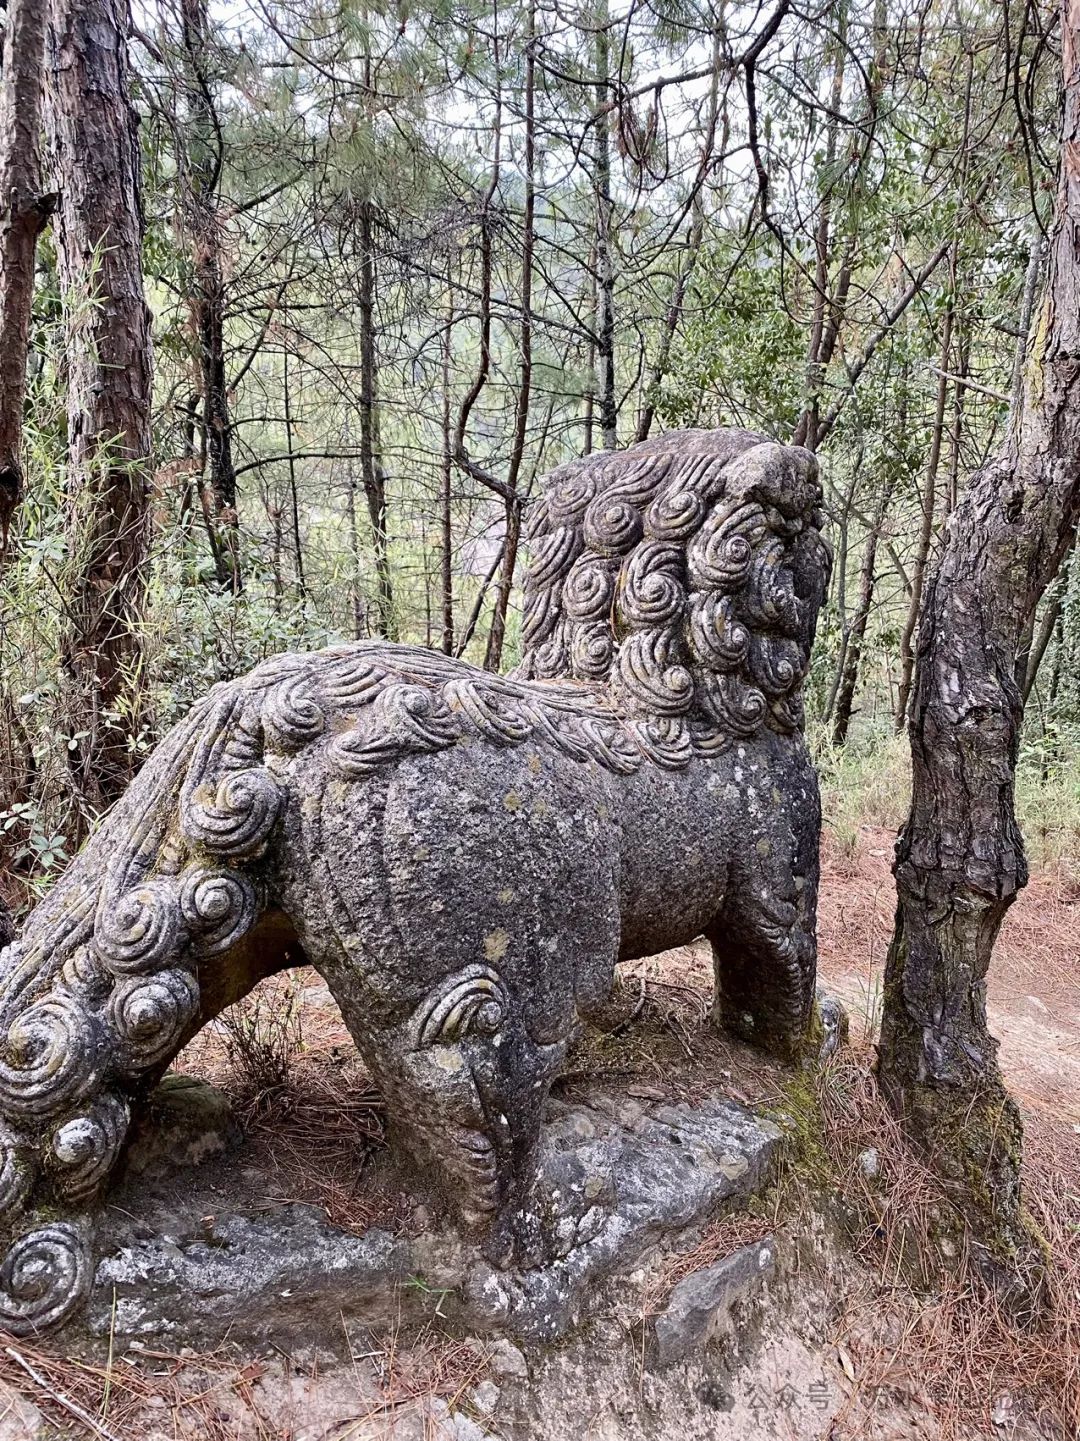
(187, 1121)
(463, 857)
(701, 1303)
(835, 1025)
(620, 1190)
(285, 1273)
(617, 1188)
(20, 1419)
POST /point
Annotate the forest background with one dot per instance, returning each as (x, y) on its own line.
(401, 261)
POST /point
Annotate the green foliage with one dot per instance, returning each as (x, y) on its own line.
(291, 128)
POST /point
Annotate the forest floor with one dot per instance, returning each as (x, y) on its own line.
(853, 1347)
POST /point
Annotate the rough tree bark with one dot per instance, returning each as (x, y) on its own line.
(24, 209)
(202, 175)
(816, 362)
(98, 229)
(849, 676)
(928, 512)
(605, 274)
(960, 857)
(371, 472)
(512, 500)
(446, 477)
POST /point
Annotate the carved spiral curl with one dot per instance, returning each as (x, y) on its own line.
(85, 1148)
(736, 707)
(611, 746)
(651, 585)
(553, 556)
(416, 716)
(44, 1276)
(667, 742)
(775, 664)
(354, 681)
(635, 478)
(675, 514)
(234, 817)
(543, 611)
(788, 712)
(563, 729)
(589, 589)
(49, 1057)
(292, 716)
(721, 554)
(139, 930)
(84, 975)
(717, 639)
(503, 724)
(473, 1001)
(770, 602)
(592, 650)
(404, 718)
(649, 676)
(16, 1173)
(569, 494)
(150, 1014)
(612, 527)
(553, 657)
(218, 907)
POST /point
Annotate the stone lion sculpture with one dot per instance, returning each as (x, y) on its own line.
(463, 857)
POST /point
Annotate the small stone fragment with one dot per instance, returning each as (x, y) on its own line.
(507, 1360)
(701, 1303)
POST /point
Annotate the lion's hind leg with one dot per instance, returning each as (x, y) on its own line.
(765, 939)
(764, 966)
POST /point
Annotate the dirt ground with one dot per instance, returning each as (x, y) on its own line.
(834, 1354)
(1034, 983)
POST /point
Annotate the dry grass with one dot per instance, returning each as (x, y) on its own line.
(718, 1239)
(928, 1320)
(262, 1035)
(188, 1396)
(224, 1395)
(314, 1142)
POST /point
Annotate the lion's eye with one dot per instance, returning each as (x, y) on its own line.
(473, 1002)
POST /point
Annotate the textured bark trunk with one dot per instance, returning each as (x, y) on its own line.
(849, 678)
(926, 528)
(93, 131)
(1033, 657)
(23, 212)
(605, 273)
(371, 472)
(960, 858)
(512, 500)
(673, 315)
(806, 430)
(208, 301)
(294, 490)
(446, 517)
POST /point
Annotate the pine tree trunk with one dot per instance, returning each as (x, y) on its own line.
(98, 230)
(446, 475)
(23, 212)
(926, 528)
(849, 678)
(371, 472)
(605, 275)
(512, 502)
(960, 859)
(208, 301)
